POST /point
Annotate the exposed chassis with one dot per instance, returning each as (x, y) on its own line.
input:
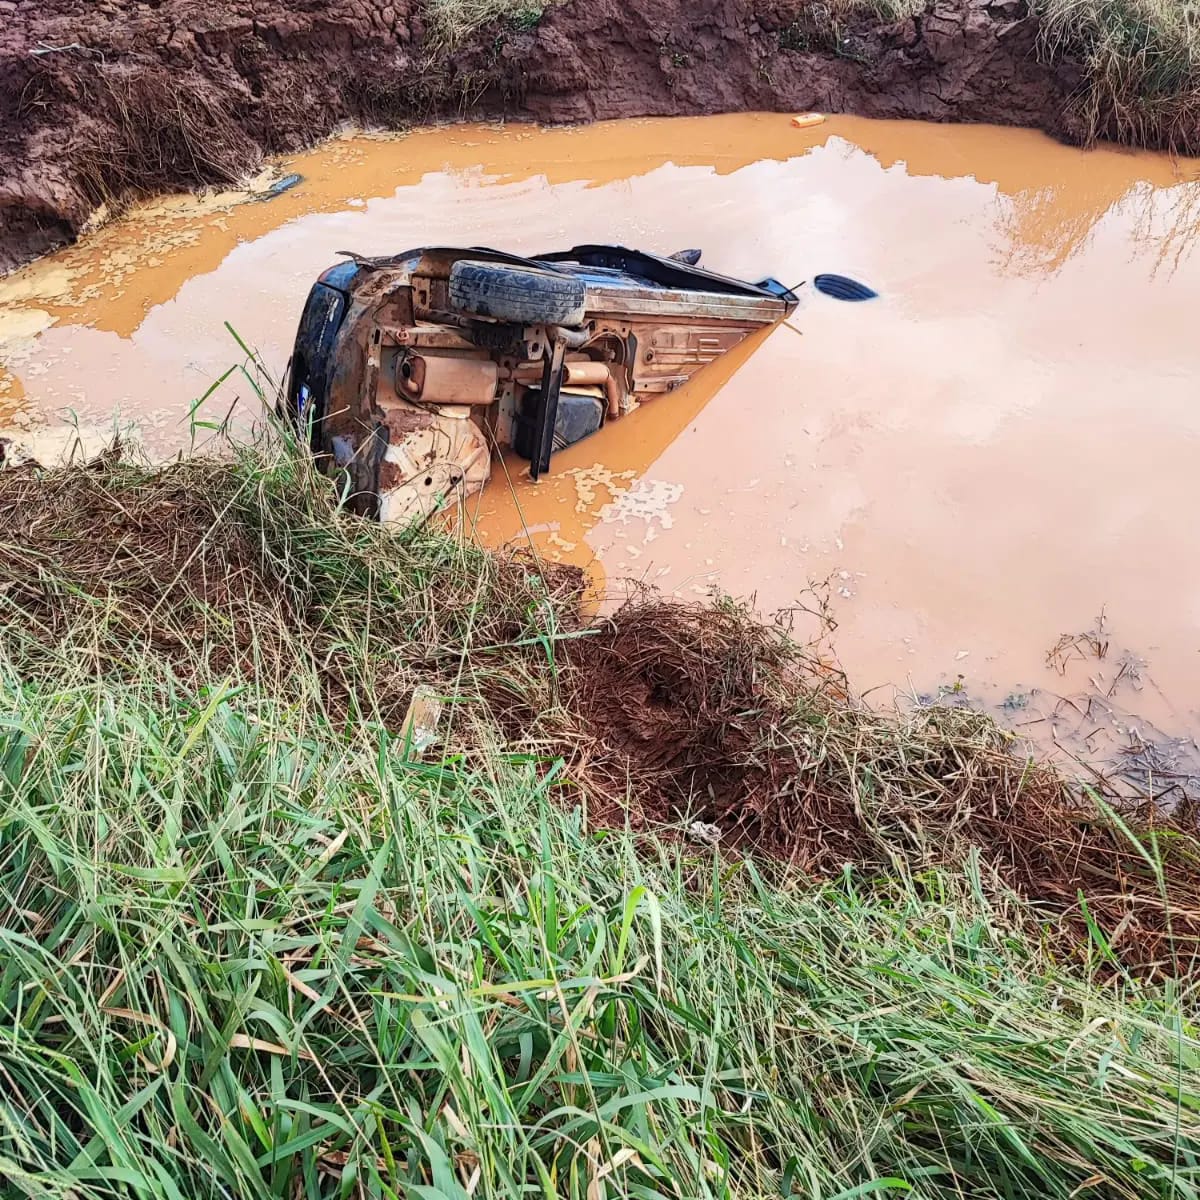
(410, 372)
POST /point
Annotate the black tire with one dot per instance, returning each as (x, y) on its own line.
(841, 287)
(525, 295)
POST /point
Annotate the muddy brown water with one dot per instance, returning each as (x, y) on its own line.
(995, 453)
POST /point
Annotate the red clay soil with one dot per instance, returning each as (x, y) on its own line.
(701, 712)
(103, 100)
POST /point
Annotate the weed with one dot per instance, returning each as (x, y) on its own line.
(824, 27)
(451, 21)
(525, 20)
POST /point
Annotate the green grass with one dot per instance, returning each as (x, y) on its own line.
(252, 954)
(824, 26)
(252, 946)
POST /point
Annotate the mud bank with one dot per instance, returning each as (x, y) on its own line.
(100, 103)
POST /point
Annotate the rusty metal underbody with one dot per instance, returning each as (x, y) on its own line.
(421, 394)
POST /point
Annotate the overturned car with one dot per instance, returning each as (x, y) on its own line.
(410, 372)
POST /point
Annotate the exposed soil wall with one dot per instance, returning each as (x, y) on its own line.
(100, 101)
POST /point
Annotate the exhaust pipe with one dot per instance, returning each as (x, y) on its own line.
(580, 374)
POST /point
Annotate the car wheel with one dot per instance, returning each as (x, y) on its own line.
(525, 295)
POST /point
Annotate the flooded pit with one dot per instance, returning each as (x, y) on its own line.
(988, 457)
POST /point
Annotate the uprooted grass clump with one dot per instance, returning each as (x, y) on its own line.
(665, 713)
(253, 945)
(705, 710)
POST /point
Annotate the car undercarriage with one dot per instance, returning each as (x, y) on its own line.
(410, 373)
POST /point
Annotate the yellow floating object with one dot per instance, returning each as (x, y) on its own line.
(805, 120)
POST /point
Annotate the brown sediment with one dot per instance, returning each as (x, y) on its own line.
(664, 712)
(100, 103)
(703, 713)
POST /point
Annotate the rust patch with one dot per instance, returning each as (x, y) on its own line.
(399, 421)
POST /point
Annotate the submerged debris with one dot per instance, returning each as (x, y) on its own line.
(282, 185)
(841, 287)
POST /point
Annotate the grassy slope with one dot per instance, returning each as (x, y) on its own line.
(251, 947)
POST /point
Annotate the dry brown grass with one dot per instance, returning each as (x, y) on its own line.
(154, 133)
(1141, 62)
(452, 21)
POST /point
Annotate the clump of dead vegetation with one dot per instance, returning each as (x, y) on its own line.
(664, 712)
(1141, 66)
(707, 713)
(153, 132)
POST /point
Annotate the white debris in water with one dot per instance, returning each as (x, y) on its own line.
(67, 444)
(643, 500)
(18, 328)
(704, 832)
(588, 479)
(647, 500)
(42, 283)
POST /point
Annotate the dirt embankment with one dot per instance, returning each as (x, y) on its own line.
(101, 101)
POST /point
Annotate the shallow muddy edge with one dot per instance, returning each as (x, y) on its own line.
(102, 105)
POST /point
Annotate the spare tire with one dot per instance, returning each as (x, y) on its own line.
(527, 295)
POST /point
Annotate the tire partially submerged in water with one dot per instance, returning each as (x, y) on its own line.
(510, 292)
(842, 287)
